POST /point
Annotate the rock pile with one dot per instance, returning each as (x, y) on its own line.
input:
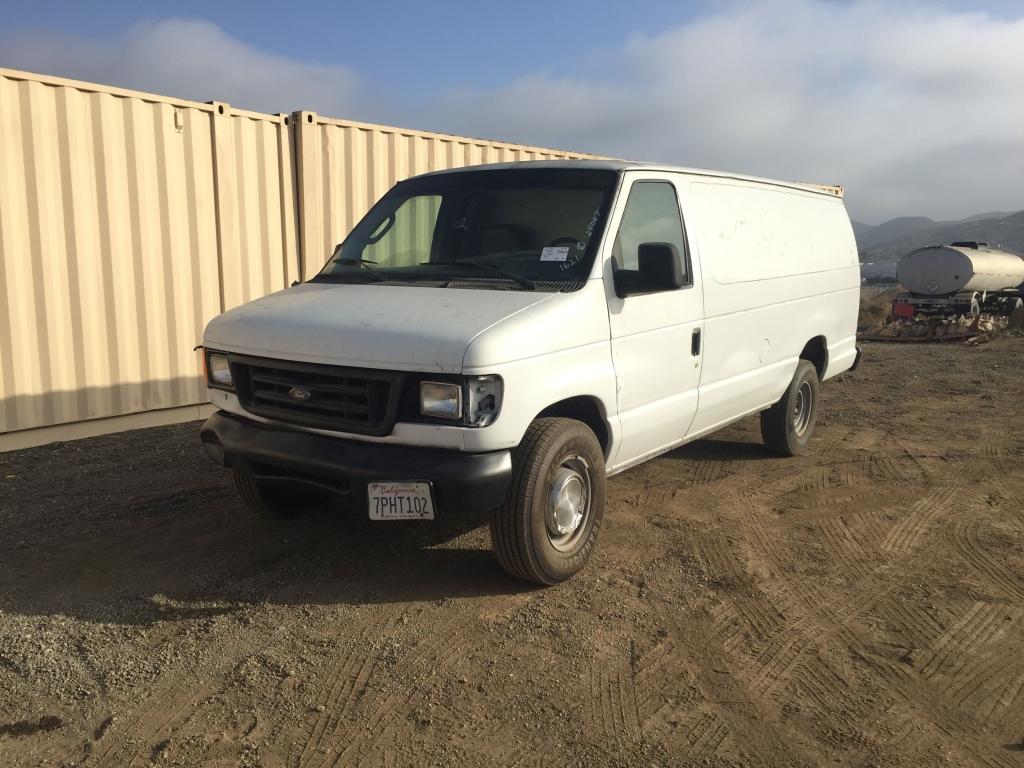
(923, 328)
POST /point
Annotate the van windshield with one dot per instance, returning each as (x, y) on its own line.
(507, 229)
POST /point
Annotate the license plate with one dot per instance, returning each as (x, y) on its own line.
(400, 501)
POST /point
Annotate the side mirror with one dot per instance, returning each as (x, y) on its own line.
(658, 270)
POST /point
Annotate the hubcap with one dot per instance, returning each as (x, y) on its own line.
(568, 502)
(802, 408)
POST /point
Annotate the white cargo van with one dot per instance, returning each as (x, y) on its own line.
(508, 336)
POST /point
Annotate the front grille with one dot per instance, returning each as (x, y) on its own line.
(358, 400)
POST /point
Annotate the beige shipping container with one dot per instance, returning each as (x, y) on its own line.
(128, 220)
(108, 251)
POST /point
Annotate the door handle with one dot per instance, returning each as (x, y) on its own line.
(695, 342)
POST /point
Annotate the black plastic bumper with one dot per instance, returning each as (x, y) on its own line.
(461, 481)
(856, 360)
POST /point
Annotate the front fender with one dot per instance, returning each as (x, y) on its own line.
(534, 384)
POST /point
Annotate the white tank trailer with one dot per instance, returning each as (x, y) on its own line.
(948, 279)
(944, 270)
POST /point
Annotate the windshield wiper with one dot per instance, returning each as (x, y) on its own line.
(523, 281)
(365, 263)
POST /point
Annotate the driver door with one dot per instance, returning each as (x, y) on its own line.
(656, 338)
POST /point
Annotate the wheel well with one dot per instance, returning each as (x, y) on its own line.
(816, 352)
(585, 409)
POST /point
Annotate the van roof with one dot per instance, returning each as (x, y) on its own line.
(630, 165)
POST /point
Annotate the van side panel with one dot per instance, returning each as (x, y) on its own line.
(780, 268)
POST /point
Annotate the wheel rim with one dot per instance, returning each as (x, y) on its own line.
(568, 506)
(803, 408)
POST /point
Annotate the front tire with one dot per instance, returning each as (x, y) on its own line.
(547, 528)
(787, 426)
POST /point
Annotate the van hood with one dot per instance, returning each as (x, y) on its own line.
(366, 326)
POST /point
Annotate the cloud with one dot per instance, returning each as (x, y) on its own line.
(191, 59)
(916, 109)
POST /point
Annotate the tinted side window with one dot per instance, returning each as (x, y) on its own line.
(651, 216)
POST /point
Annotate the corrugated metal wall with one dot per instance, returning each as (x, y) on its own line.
(254, 173)
(128, 220)
(108, 251)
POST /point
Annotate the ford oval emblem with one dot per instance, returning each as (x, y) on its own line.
(300, 394)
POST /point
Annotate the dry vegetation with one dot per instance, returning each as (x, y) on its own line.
(875, 305)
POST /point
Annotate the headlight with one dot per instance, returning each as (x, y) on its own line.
(218, 371)
(440, 399)
(483, 400)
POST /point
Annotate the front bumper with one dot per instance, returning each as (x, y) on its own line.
(856, 359)
(461, 481)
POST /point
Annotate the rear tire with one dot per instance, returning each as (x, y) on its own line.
(787, 426)
(274, 502)
(547, 527)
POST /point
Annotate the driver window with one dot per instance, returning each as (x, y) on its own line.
(405, 241)
(651, 216)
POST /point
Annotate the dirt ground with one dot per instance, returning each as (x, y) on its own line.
(862, 605)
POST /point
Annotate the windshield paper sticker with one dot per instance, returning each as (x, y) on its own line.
(555, 253)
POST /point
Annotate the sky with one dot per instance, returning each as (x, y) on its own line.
(915, 107)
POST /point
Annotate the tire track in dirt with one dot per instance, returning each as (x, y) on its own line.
(831, 439)
(345, 683)
(833, 500)
(743, 613)
(932, 704)
(964, 537)
(984, 683)
(846, 547)
(873, 527)
(917, 624)
(812, 622)
(821, 620)
(944, 715)
(705, 472)
(683, 724)
(702, 734)
(1005, 458)
(165, 710)
(613, 705)
(1007, 699)
(825, 687)
(1013, 496)
(915, 456)
(656, 498)
(863, 439)
(771, 668)
(906, 534)
(977, 659)
(768, 663)
(845, 473)
(393, 707)
(962, 638)
(653, 672)
(888, 468)
(705, 738)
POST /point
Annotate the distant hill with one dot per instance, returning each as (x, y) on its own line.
(998, 229)
(989, 215)
(870, 236)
